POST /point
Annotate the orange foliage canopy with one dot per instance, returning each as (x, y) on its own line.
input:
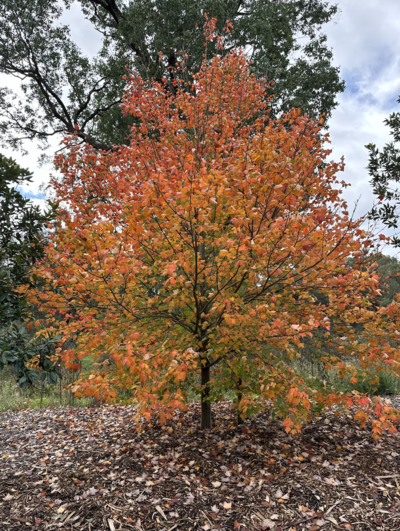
(215, 243)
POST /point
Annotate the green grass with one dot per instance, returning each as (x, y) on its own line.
(388, 383)
(40, 395)
(12, 397)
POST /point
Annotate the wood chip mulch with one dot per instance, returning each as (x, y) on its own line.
(91, 469)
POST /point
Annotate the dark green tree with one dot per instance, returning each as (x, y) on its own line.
(22, 239)
(63, 88)
(389, 269)
(384, 170)
(22, 228)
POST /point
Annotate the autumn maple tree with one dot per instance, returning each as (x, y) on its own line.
(200, 256)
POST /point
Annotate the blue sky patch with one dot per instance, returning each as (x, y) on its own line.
(30, 195)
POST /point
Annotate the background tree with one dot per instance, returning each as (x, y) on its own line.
(389, 271)
(63, 88)
(196, 269)
(23, 229)
(384, 170)
(388, 268)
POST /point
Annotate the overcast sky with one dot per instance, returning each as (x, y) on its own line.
(365, 43)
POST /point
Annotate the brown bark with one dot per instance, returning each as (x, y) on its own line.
(205, 402)
(239, 399)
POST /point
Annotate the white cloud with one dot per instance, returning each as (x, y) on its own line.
(82, 31)
(365, 36)
(365, 46)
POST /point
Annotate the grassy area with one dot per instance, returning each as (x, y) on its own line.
(388, 383)
(38, 395)
(42, 395)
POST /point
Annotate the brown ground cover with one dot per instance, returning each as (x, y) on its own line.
(92, 469)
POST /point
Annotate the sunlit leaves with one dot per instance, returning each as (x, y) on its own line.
(215, 240)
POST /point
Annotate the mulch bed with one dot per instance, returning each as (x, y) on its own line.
(91, 469)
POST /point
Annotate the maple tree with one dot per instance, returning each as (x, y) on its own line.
(197, 252)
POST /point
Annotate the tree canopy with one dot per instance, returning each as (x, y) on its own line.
(187, 260)
(23, 229)
(384, 170)
(63, 88)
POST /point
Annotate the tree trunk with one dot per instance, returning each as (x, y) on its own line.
(205, 403)
(60, 388)
(239, 399)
